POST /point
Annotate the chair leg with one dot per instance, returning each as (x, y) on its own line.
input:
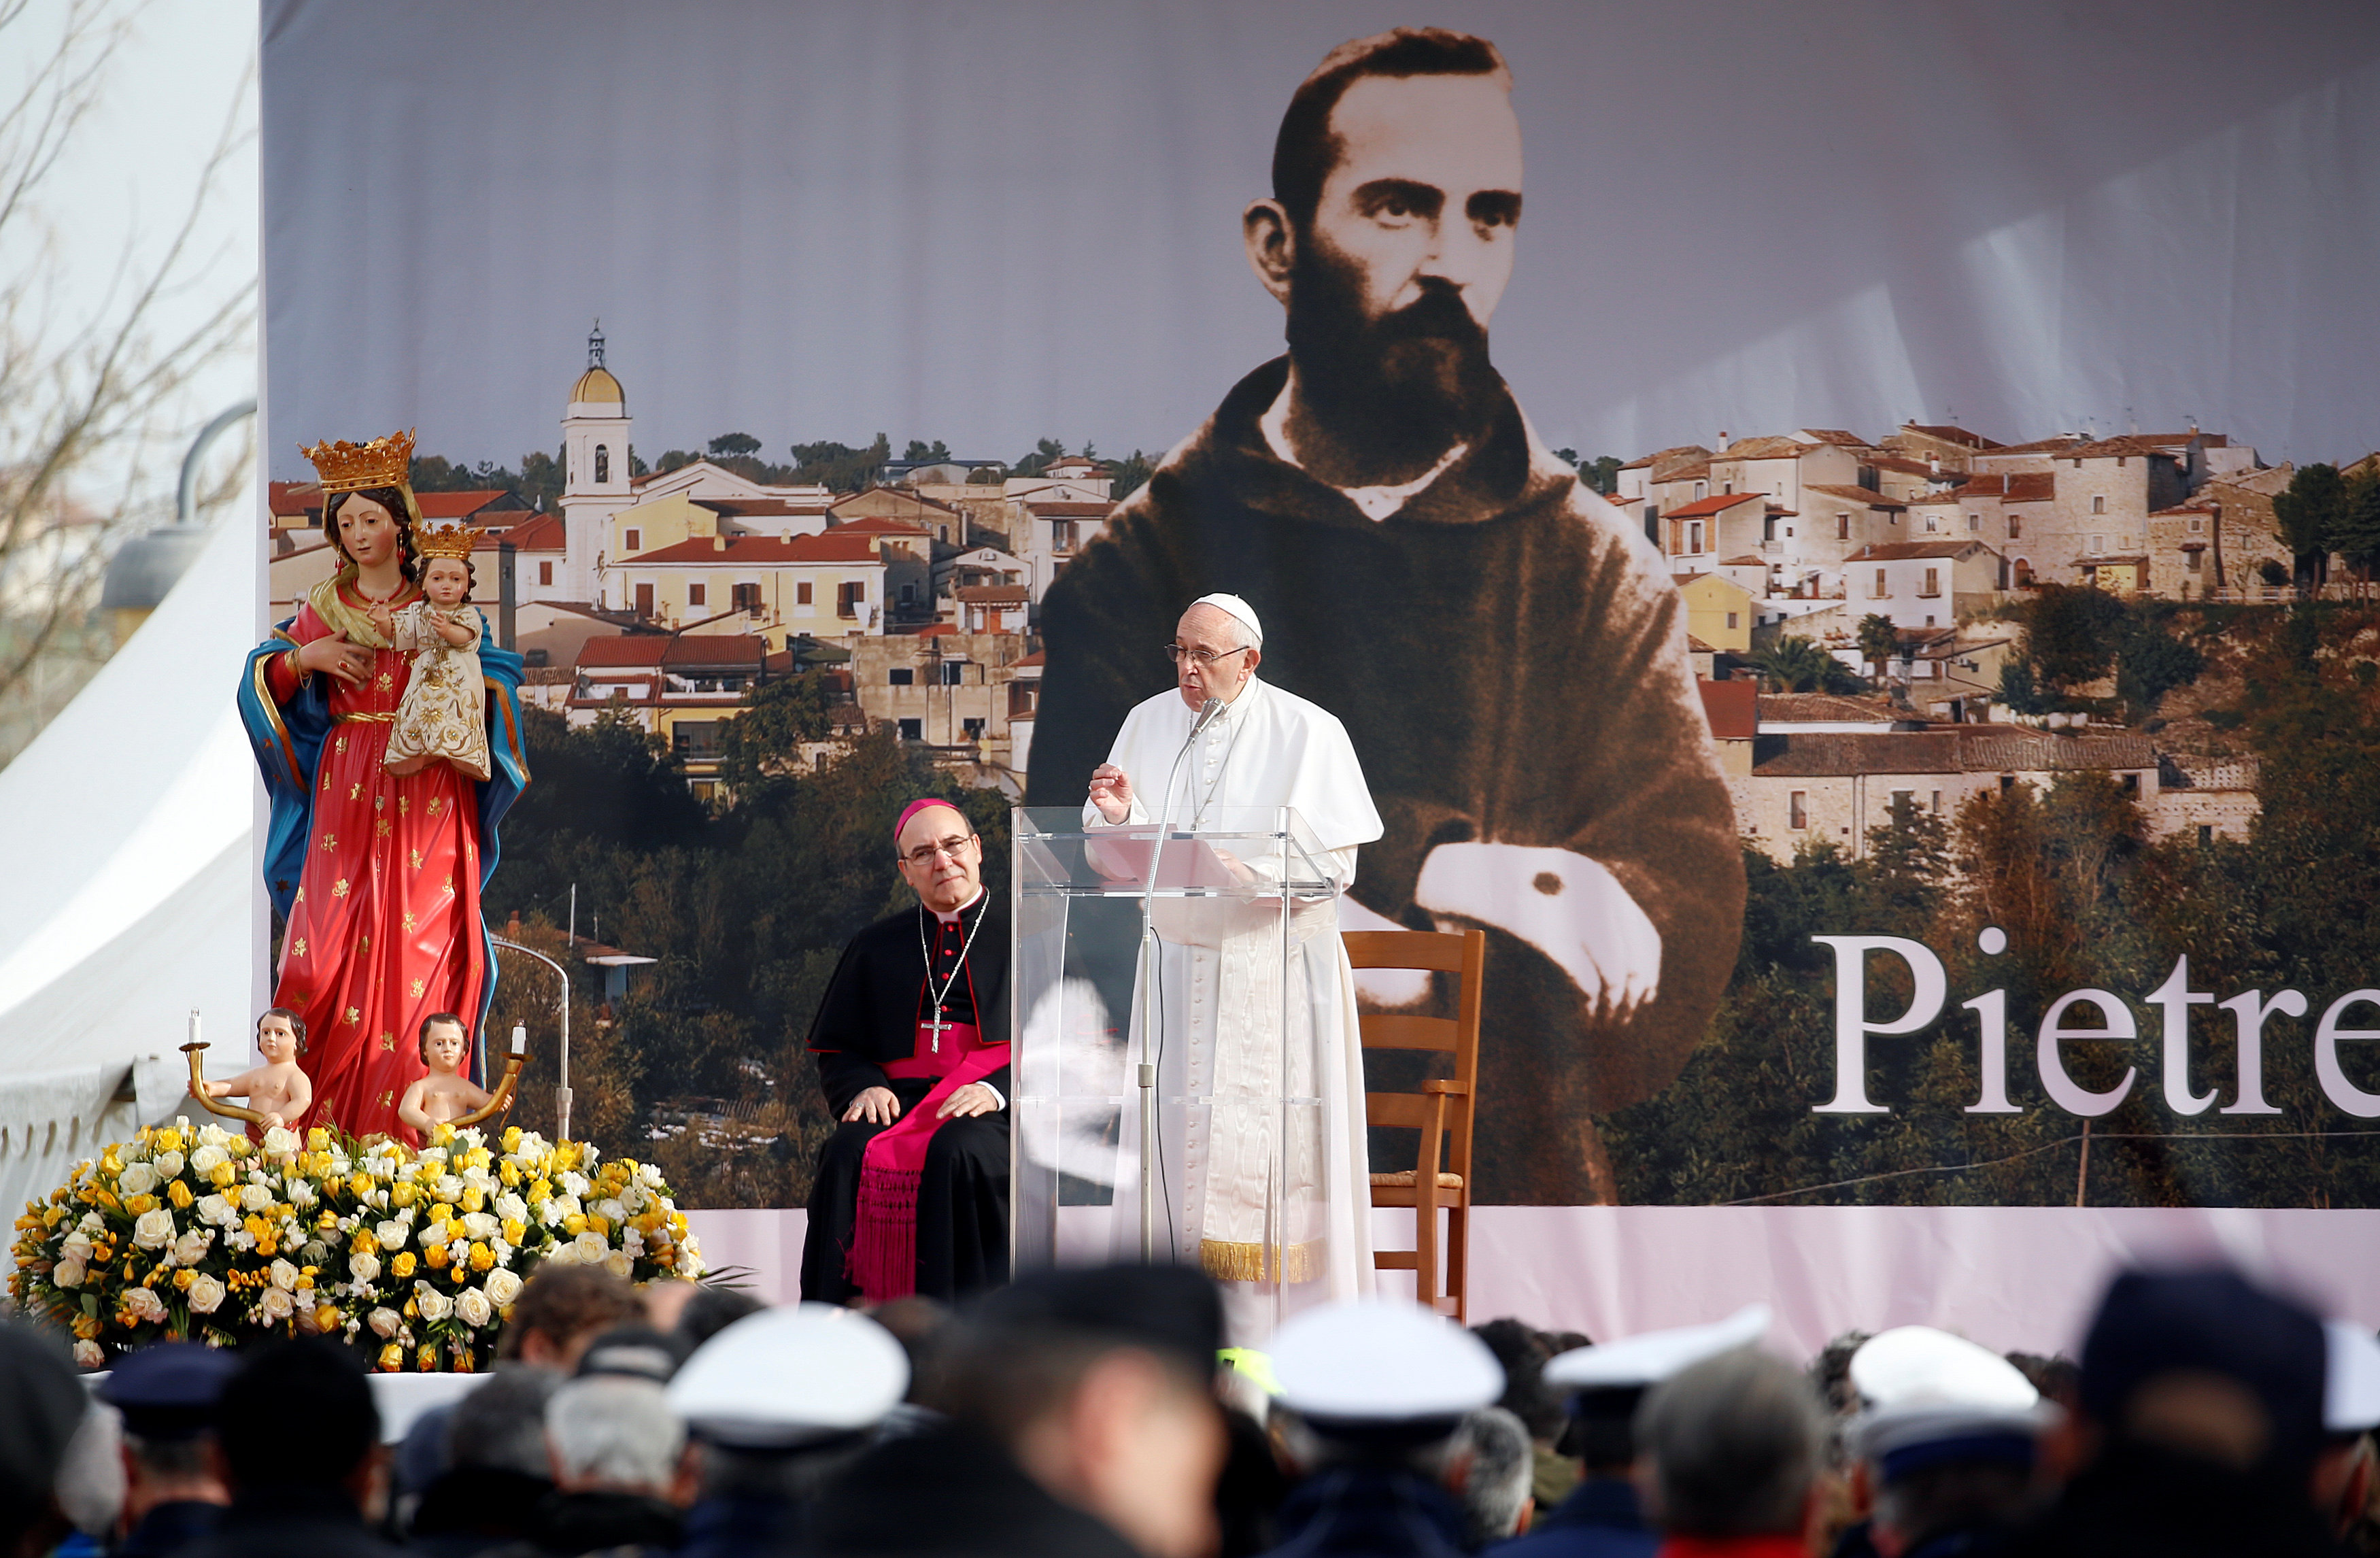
(1458, 1258)
(1426, 1288)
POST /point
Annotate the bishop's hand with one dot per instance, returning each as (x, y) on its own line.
(965, 1101)
(1111, 792)
(877, 1106)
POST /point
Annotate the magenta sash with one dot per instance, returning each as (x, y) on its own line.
(883, 1260)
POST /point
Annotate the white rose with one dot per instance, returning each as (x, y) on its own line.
(92, 1222)
(432, 1155)
(284, 1276)
(503, 1288)
(620, 1263)
(153, 1230)
(276, 1305)
(430, 1304)
(212, 1135)
(190, 1249)
(255, 1197)
(282, 1142)
(511, 1208)
(564, 1254)
(592, 1248)
(137, 1179)
(364, 1268)
(611, 1211)
(78, 1244)
(208, 1159)
(479, 1226)
(385, 1322)
(216, 1209)
(574, 1184)
(549, 1211)
(206, 1295)
(432, 1232)
(569, 1205)
(302, 1195)
(169, 1166)
(478, 1176)
(391, 1234)
(143, 1304)
(471, 1307)
(450, 1189)
(70, 1272)
(88, 1356)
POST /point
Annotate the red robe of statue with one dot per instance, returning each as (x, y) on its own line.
(386, 929)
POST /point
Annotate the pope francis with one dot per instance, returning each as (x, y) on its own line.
(1231, 1038)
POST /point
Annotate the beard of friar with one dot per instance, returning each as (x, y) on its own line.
(1396, 391)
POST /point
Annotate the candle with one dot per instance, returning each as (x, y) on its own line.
(194, 1024)
(520, 1038)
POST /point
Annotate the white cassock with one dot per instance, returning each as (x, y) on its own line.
(1243, 1024)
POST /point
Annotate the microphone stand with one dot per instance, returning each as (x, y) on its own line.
(1149, 1015)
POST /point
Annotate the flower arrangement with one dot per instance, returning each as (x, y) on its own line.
(413, 1257)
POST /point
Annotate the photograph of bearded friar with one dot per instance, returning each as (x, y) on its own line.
(1506, 650)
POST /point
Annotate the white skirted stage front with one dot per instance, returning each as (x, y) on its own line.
(2012, 1278)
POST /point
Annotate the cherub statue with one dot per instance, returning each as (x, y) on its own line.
(277, 1089)
(444, 711)
(445, 1094)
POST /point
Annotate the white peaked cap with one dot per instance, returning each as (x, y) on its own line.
(1232, 607)
(786, 1377)
(1381, 1361)
(2351, 1392)
(1918, 1366)
(1652, 1357)
(1931, 1397)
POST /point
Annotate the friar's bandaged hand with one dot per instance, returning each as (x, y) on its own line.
(1566, 905)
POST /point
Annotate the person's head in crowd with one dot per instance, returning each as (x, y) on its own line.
(167, 1394)
(1731, 1448)
(708, 1311)
(2205, 1365)
(666, 1302)
(1600, 1388)
(561, 1309)
(2052, 1374)
(1493, 1456)
(300, 1414)
(613, 1433)
(90, 1482)
(1830, 1373)
(919, 1323)
(634, 1351)
(1524, 1352)
(782, 1400)
(1947, 1440)
(1100, 1382)
(44, 1410)
(497, 1463)
(2343, 1473)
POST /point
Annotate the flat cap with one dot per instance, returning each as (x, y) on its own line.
(1171, 1309)
(789, 1377)
(1381, 1362)
(2350, 1385)
(1651, 1357)
(1930, 1398)
(169, 1391)
(631, 1352)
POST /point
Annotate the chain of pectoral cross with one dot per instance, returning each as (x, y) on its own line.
(938, 1027)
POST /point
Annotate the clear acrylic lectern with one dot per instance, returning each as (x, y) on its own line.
(1190, 980)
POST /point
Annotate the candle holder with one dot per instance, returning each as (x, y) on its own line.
(199, 1089)
(501, 1100)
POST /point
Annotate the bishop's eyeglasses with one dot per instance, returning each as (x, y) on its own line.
(1201, 658)
(924, 853)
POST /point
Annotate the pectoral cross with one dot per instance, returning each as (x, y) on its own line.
(937, 1028)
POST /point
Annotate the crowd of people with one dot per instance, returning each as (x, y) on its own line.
(1097, 1413)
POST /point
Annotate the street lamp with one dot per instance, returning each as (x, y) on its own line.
(561, 1090)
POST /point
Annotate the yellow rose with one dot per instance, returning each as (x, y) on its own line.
(575, 1225)
(361, 1242)
(474, 1198)
(326, 1318)
(86, 1328)
(435, 1257)
(402, 1193)
(599, 1226)
(183, 1278)
(478, 1157)
(223, 1175)
(111, 1164)
(400, 1265)
(411, 1313)
(392, 1357)
(327, 1221)
(482, 1257)
(509, 1172)
(318, 1140)
(514, 1230)
(177, 1192)
(542, 1190)
(136, 1205)
(169, 1140)
(359, 1184)
(426, 1357)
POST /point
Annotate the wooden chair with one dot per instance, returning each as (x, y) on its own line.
(1441, 1109)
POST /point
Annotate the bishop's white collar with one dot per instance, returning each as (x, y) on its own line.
(953, 917)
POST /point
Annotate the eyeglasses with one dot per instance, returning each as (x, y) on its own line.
(1201, 658)
(924, 853)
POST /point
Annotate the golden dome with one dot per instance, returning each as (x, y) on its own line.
(596, 386)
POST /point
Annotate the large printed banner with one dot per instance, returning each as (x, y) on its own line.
(1840, 541)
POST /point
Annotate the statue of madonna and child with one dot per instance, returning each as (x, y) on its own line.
(388, 731)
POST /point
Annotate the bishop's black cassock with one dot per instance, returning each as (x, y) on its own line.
(870, 1029)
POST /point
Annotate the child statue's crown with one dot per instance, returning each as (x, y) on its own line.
(350, 467)
(443, 539)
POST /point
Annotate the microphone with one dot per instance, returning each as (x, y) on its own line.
(1206, 712)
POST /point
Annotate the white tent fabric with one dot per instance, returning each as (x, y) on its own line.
(130, 838)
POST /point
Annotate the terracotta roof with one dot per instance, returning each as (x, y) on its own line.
(906, 494)
(1729, 707)
(878, 524)
(715, 648)
(459, 505)
(2058, 444)
(1906, 468)
(1773, 447)
(1746, 561)
(293, 497)
(2111, 448)
(2029, 486)
(995, 594)
(1696, 646)
(1035, 658)
(759, 550)
(1702, 507)
(1905, 551)
(1699, 471)
(1674, 452)
(1951, 435)
(2192, 510)
(1833, 754)
(2181, 440)
(1832, 707)
(1837, 436)
(1856, 494)
(538, 533)
(624, 650)
(934, 630)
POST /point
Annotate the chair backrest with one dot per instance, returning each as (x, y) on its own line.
(1463, 953)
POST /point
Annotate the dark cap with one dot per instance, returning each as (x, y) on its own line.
(169, 1391)
(1171, 1309)
(2211, 1321)
(45, 1407)
(632, 1352)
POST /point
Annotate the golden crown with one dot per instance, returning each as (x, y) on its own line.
(444, 541)
(349, 467)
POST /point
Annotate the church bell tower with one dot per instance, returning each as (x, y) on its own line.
(595, 478)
